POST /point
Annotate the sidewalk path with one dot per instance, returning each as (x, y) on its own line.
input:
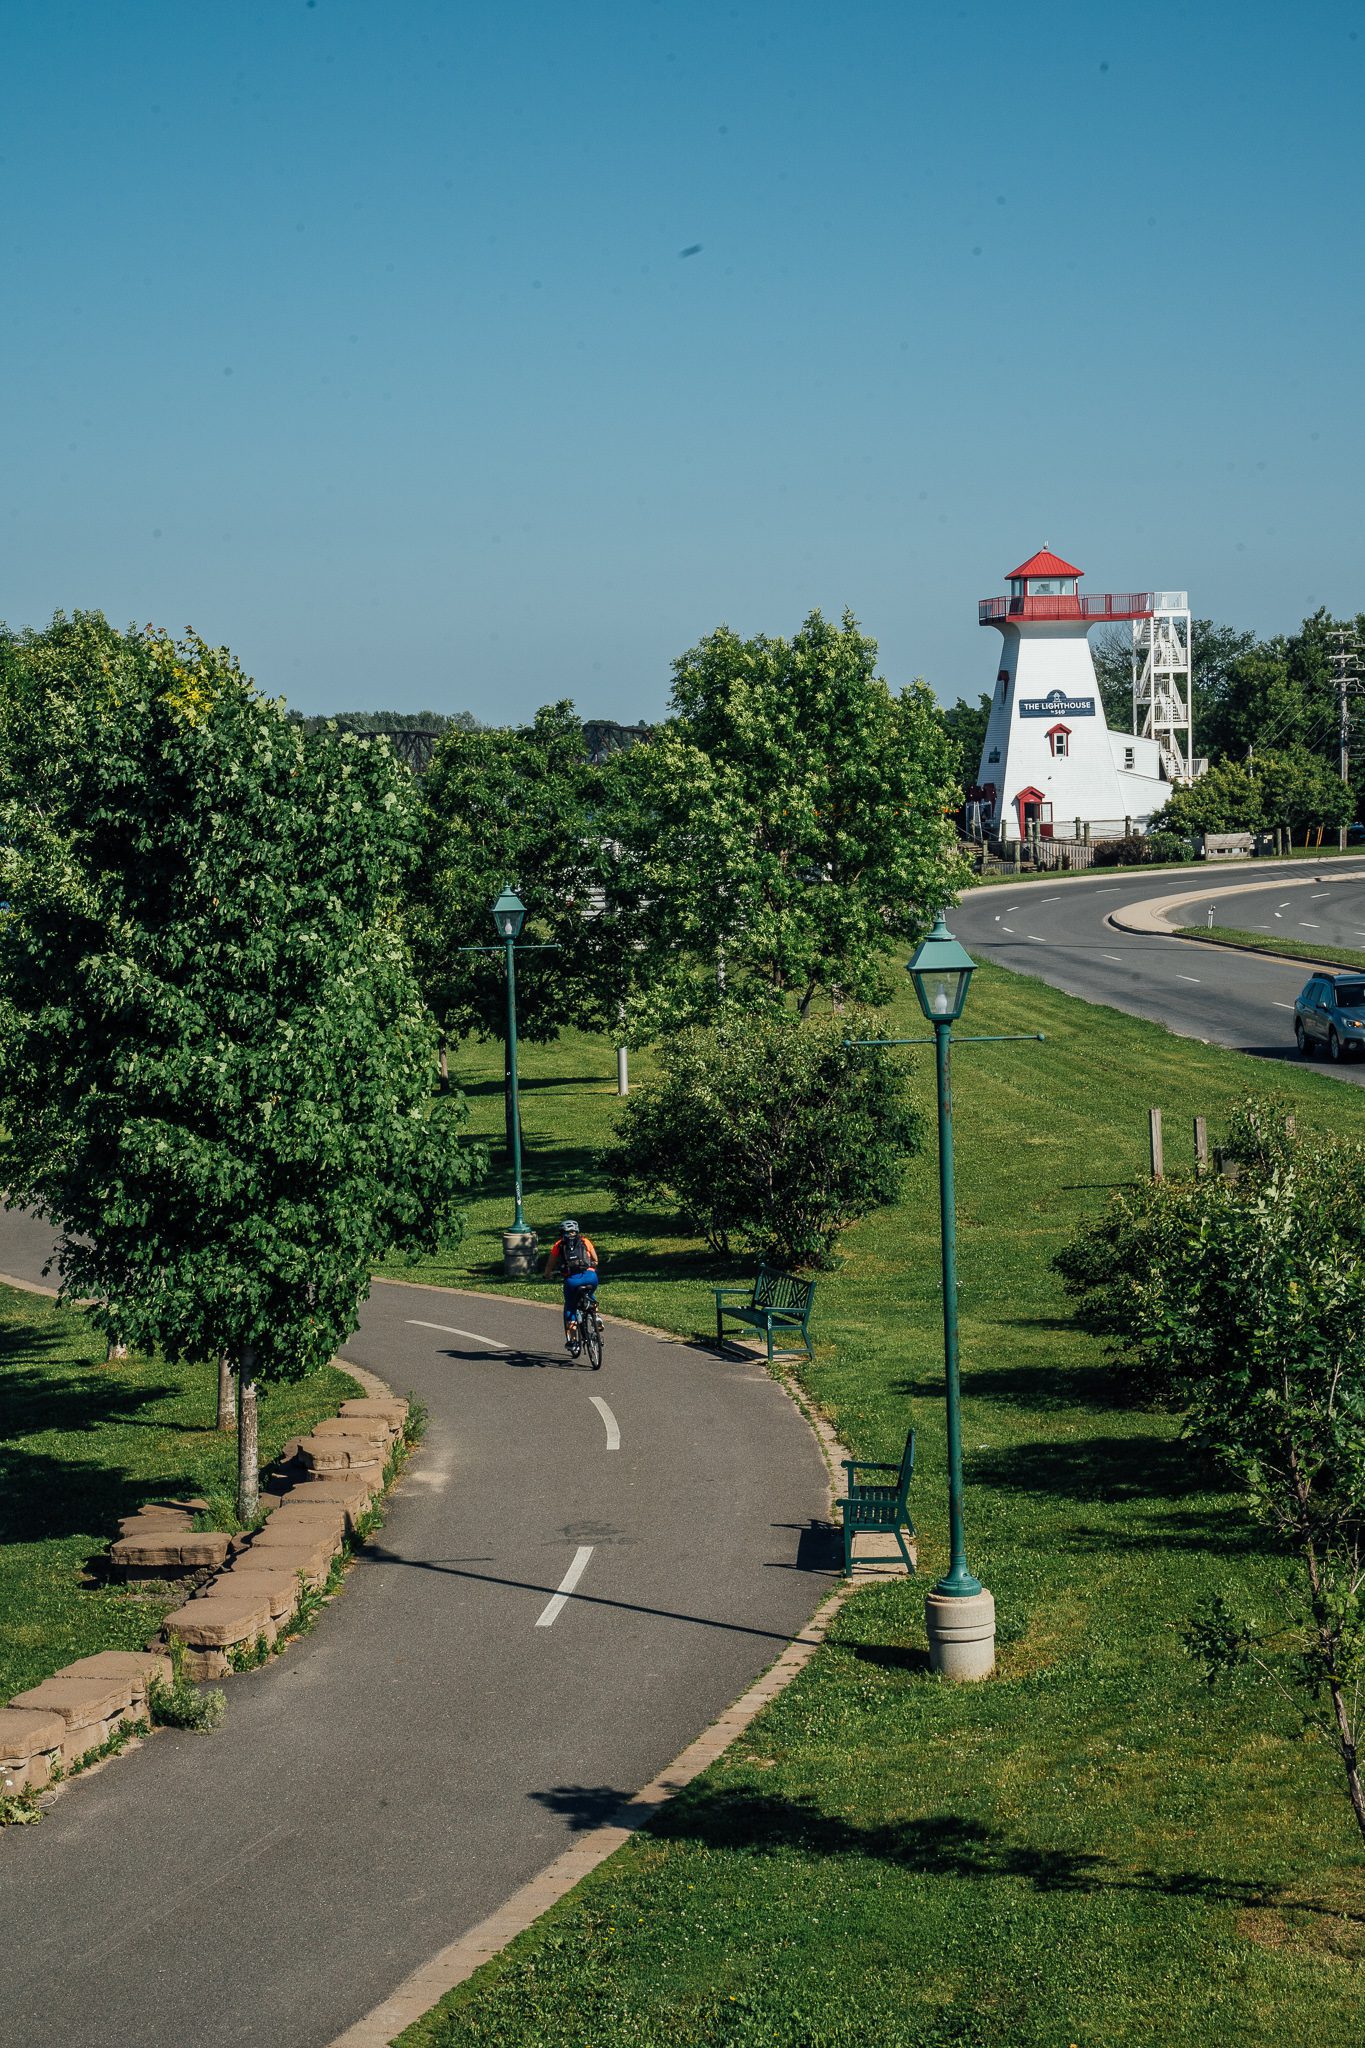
(560, 1599)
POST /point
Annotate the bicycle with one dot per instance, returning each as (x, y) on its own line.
(585, 1332)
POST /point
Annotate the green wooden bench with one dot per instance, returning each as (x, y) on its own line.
(879, 1506)
(775, 1301)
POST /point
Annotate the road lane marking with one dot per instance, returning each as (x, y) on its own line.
(1035, 938)
(566, 1585)
(1321, 896)
(1284, 1006)
(1010, 909)
(1112, 956)
(1287, 901)
(1048, 899)
(449, 1330)
(613, 1427)
(1307, 925)
(1187, 977)
(1111, 890)
(1008, 928)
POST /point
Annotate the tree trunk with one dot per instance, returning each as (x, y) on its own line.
(227, 1396)
(248, 1456)
(115, 1351)
(1350, 1755)
(443, 1064)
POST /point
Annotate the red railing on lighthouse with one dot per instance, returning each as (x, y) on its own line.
(1099, 606)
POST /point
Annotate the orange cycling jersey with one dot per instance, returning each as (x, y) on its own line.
(553, 1264)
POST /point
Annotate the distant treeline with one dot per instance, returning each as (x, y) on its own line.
(393, 721)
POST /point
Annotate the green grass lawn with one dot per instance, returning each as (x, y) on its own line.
(1286, 949)
(84, 1443)
(1094, 1848)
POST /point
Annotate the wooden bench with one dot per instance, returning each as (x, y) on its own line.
(879, 1506)
(774, 1301)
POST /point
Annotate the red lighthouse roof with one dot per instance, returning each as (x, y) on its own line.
(1045, 563)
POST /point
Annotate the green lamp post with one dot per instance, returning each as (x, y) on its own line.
(509, 915)
(959, 1612)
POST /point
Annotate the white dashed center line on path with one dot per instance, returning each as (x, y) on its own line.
(1306, 925)
(1112, 956)
(1321, 896)
(1035, 938)
(1008, 928)
(1284, 1006)
(1187, 977)
(449, 1330)
(613, 1427)
(1048, 899)
(555, 1607)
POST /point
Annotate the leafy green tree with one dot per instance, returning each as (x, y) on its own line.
(769, 1135)
(1290, 789)
(1241, 1300)
(789, 822)
(215, 1058)
(966, 725)
(510, 804)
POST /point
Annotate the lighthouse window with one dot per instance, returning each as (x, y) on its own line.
(1061, 740)
(1128, 757)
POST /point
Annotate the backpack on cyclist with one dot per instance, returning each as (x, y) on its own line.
(573, 1255)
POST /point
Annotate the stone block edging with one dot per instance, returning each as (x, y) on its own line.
(93, 1706)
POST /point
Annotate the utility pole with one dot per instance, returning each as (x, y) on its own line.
(1342, 655)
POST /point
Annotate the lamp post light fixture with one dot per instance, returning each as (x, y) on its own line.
(959, 1613)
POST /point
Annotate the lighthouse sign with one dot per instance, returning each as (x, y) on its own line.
(1056, 705)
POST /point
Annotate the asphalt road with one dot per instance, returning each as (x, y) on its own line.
(448, 1725)
(1059, 932)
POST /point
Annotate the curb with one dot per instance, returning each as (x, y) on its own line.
(1147, 917)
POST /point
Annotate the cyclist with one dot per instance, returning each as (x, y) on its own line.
(573, 1258)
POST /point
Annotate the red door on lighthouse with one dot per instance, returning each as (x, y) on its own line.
(1032, 807)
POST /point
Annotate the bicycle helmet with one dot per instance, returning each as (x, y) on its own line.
(568, 1228)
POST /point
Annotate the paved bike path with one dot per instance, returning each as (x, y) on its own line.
(435, 1741)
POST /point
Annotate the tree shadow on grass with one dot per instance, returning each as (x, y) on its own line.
(56, 1494)
(1097, 1468)
(1043, 1387)
(939, 1846)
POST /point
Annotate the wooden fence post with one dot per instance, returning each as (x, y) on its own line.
(1154, 1131)
(1201, 1145)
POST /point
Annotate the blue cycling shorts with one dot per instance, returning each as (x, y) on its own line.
(574, 1285)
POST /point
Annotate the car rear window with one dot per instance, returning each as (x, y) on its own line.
(1351, 995)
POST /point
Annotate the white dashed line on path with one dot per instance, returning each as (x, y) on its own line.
(1035, 938)
(1112, 956)
(1306, 925)
(1321, 896)
(1187, 977)
(555, 1607)
(613, 1427)
(1048, 899)
(449, 1330)
(1008, 928)
(1284, 1006)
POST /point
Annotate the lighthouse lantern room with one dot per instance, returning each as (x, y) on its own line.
(1050, 761)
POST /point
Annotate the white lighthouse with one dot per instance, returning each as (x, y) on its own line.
(1050, 761)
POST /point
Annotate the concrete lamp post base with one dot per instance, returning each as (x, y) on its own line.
(519, 1249)
(961, 1631)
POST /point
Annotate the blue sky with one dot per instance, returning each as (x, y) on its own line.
(361, 337)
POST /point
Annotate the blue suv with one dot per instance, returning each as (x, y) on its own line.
(1331, 1012)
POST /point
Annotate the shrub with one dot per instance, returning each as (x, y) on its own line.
(1119, 853)
(1168, 846)
(770, 1134)
(1241, 1299)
